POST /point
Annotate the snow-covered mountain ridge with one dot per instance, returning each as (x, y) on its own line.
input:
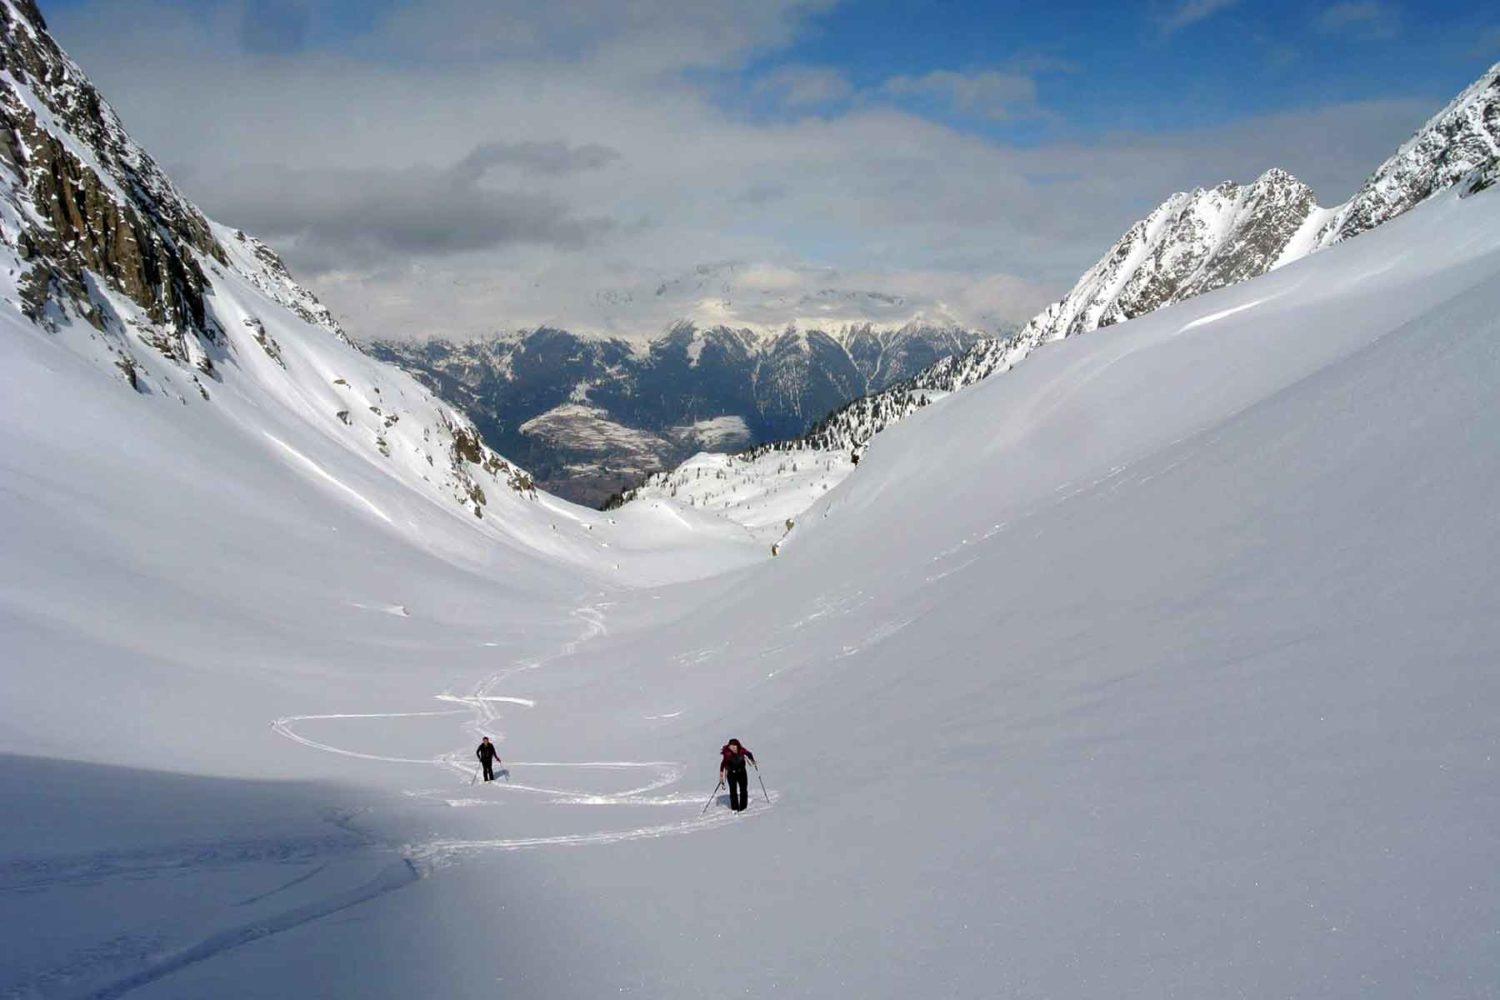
(591, 415)
(1461, 138)
(1194, 243)
(1206, 239)
(1182, 637)
(1162, 667)
(109, 261)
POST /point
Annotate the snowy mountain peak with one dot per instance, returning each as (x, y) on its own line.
(1195, 242)
(106, 257)
(1461, 137)
(593, 416)
(1205, 239)
(87, 203)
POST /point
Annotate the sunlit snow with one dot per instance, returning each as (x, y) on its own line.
(1161, 665)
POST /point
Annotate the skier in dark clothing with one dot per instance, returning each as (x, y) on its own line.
(732, 769)
(487, 757)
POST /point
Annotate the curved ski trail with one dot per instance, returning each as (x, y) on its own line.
(483, 708)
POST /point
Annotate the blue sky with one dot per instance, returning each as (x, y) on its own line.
(1166, 66)
(1097, 66)
(556, 162)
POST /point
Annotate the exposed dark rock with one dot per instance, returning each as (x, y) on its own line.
(593, 417)
(102, 206)
(100, 238)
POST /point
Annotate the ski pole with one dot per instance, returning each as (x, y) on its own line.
(476, 775)
(762, 784)
(711, 796)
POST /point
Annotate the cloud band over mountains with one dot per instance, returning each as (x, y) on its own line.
(458, 166)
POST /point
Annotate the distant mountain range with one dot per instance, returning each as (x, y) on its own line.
(590, 416)
(1195, 242)
(595, 416)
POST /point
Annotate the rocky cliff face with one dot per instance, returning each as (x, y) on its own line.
(1206, 239)
(1462, 137)
(88, 202)
(102, 253)
(592, 416)
(1195, 242)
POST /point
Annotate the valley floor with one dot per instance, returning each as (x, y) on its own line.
(154, 883)
(1161, 666)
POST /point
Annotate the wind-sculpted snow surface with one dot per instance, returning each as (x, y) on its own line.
(1156, 668)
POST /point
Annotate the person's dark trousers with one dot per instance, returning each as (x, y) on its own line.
(489, 769)
(739, 790)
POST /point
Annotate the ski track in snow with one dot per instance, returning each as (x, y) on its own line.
(33, 875)
(396, 875)
(327, 477)
(437, 853)
(482, 708)
(415, 861)
(1225, 313)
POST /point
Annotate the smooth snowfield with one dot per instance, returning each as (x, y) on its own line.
(761, 492)
(1160, 666)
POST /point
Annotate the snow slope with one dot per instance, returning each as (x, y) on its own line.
(1160, 667)
(763, 489)
(1193, 243)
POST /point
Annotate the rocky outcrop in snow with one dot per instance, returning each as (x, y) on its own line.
(1462, 137)
(85, 202)
(102, 252)
(1195, 242)
(1203, 240)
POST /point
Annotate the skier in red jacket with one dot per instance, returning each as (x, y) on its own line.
(733, 756)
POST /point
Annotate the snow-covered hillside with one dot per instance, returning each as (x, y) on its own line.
(1454, 142)
(113, 265)
(763, 489)
(1159, 667)
(1193, 243)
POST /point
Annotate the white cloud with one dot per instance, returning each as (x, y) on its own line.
(349, 216)
(1188, 12)
(1361, 19)
(806, 86)
(641, 35)
(569, 181)
(990, 94)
